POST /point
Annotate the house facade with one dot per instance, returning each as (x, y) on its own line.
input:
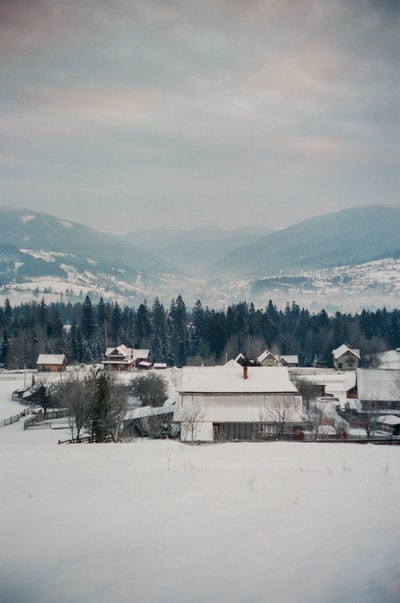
(122, 358)
(234, 403)
(346, 358)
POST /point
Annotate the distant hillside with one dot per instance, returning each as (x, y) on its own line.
(26, 229)
(43, 255)
(347, 237)
(191, 251)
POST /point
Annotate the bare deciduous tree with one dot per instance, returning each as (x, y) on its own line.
(314, 416)
(281, 411)
(95, 403)
(190, 417)
(72, 394)
(369, 415)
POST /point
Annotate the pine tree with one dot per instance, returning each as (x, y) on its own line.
(88, 324)
(177, 323)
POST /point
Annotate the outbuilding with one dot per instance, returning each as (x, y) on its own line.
(53, 363)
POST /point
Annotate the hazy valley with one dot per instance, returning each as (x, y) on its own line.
(346, 261)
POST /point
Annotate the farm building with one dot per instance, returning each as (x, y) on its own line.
(232, 402)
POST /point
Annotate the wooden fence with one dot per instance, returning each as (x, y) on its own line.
(11, 420)
(40, 417)
(85, 440)
(82, 440)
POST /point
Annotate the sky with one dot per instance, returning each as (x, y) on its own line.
(187, 113)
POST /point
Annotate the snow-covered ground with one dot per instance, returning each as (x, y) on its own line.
(159, 521)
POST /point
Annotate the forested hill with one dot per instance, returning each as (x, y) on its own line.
(179, 335)
(347, 237)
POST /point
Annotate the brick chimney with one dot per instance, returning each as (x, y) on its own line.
(245, 374)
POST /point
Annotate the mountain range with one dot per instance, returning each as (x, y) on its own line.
(36, 248)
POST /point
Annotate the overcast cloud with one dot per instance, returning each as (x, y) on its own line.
(130, 114)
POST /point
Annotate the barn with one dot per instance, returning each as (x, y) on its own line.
(234, 403)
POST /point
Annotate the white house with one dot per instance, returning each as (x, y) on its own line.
(232, 402)
(346, 358)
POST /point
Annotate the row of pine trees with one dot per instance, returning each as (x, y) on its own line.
(178, 335)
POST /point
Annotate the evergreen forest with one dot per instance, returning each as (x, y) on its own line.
(179, 335)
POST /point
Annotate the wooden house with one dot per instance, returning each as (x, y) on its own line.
(53, 363)
(122, 358)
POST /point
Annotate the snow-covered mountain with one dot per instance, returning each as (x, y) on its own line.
(347, 237)
(345, 261)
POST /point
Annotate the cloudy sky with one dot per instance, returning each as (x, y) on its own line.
(182, 113)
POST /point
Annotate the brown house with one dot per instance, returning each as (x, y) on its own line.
(122, 358)
(53, 363)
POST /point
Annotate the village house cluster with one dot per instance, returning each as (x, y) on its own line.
(271, 397)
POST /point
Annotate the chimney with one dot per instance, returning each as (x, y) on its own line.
(245, 375)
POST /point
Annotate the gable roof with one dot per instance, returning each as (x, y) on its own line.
(126, 352)
(266, 354)
(121, 350)
(229, 379)
(342, 349)
(290, 359)
(51, 359)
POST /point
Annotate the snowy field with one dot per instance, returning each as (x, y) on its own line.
(158, 521)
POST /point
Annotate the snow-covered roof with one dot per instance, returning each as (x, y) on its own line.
(342, 349)
(232, 363)
(148, 411)
(131, 353)
(140, 353)
(51, 359)
(121, 350)
(389, 360)
(378, 385)
(389, 420)
(290, 359)
(230, 379)
(265, 355)
(151, 411)
(335, 382)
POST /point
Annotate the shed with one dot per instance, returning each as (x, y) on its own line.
(53, 363)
